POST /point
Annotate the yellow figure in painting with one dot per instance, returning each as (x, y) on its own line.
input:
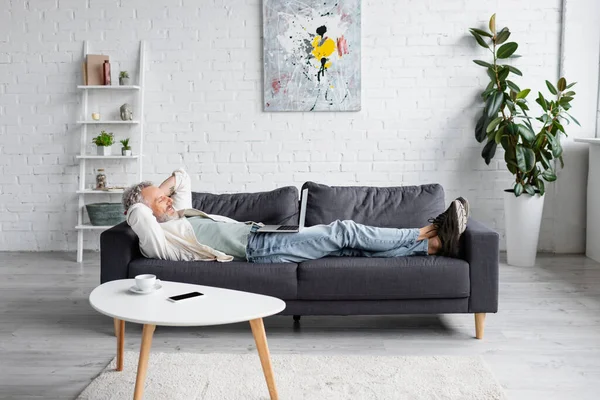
(323, 47)
(323, 50)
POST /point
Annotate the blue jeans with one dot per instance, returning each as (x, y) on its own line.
(340, 238)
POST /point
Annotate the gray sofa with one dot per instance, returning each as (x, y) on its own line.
(335, 285)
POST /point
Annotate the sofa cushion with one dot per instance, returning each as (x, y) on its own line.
(277, 280)
(389, 207)
(279, 206)
(357, 278)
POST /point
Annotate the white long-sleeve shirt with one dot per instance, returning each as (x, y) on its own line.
(175, 239)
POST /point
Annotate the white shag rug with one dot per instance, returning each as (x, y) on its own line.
(190, 376)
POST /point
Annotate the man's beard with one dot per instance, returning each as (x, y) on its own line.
(166, 217)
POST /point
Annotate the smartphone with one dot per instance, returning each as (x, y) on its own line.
(184, 296)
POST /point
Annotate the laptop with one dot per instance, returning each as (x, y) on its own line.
(289, 228)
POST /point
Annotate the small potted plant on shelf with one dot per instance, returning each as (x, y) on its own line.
(103, 142)
(123, 78)
(126, 149)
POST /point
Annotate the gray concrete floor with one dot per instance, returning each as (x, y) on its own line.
(544, 343)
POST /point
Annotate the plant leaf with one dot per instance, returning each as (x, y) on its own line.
(573, 118)
(507, 49)
(489, 151)
(511, 161)
(511, 168)
(494, 103)
(570, 85)
(482, 123)
(523, 93)
(492, 125)
(541, 186)
(551, 88)
(530, 190)
(493, 23)
(562, 162)
(513, 86)
(487, 93)
(502, 36)
(525, 133)
(491, 74)
(499, 134)
(569, 93)
(544, 160)
(557, 150)
(551, 139)
(562, 84)
(518, 189)
(483, 63)
(480, 40)
(564, 102)
(481, 32)
(549, 175)
(525, 158)
(514, 70)
(512, 129)
(542, 101)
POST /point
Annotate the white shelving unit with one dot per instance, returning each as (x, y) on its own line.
(108, 122)
(102, 87)
(82, 192)
(93, 157)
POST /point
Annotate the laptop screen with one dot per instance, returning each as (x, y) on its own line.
(303, 208)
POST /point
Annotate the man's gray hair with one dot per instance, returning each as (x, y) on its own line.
(133, 195)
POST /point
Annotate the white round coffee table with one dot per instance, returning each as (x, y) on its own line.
(217, 306)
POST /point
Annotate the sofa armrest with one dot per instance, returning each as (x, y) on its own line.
(119, 245)
(481, 251)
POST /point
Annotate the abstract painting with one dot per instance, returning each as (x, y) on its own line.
(311, 55)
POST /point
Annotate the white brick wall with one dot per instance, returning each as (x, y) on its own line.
(204, 107)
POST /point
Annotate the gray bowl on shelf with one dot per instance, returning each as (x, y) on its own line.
(105, 214)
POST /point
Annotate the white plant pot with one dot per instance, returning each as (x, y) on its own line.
(523, 217)
(125, 152)
(103, 150)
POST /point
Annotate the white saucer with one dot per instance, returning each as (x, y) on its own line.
(135, 289)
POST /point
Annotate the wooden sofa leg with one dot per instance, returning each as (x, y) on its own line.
(479, 325)
(296, 318)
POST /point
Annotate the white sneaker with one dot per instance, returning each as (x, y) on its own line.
(461, 215)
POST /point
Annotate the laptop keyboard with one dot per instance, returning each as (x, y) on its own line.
(287, 227)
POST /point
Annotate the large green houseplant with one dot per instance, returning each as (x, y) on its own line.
(528, 155)
(529, 152)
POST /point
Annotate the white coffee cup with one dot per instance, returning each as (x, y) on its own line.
(145, 282)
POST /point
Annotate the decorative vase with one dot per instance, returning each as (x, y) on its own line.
(125, 152)
(523, 217)
(103, 150)
(123, 81)
(106, 73)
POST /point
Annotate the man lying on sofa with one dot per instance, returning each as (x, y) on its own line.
(170, 229)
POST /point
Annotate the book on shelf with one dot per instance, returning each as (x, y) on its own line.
(84, 73)
(94, 69)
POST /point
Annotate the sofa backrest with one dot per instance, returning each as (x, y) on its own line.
(388, 207)
(279, 206)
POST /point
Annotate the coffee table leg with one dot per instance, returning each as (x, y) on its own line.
(260, 337)
(120, 332)
(147, 333)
